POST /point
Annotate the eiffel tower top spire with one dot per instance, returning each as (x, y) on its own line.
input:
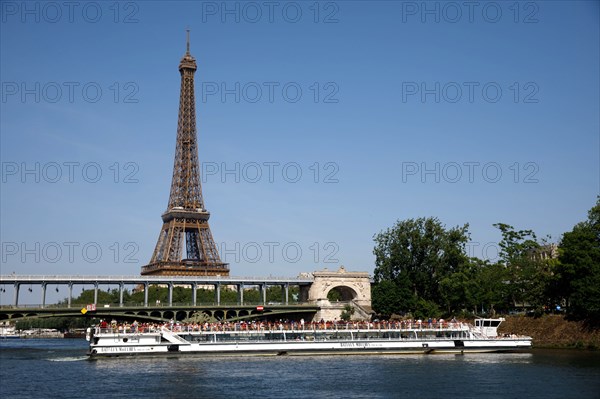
(188, 41)
(188, 61)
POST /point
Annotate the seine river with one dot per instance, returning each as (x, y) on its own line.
(58, 369)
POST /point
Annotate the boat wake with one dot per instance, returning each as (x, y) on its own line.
(68, 359)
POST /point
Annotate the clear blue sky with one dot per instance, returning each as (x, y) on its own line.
(388, 90)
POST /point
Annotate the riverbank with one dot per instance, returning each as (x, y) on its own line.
(553, 331)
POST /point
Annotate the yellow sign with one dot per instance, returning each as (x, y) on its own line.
(83, 311)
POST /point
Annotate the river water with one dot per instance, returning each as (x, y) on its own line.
(58, 368)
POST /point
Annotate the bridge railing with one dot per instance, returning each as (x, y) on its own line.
(26, 279)
(140, 305)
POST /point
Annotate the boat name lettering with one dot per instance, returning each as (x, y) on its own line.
(354, 344)
(123, 349)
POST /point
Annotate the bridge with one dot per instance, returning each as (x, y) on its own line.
(177, 312)
(353, 289)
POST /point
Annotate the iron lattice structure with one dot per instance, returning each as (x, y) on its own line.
(185, 227)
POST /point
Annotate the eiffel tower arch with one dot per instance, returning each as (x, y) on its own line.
(185, 245)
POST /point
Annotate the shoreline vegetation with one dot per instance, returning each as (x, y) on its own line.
(553, 332)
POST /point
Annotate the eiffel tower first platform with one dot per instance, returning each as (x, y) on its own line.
(185, 227)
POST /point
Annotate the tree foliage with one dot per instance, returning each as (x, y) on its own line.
(528, 267)
(347, 313)
(422, 269)
(579, 268)
(413, 258)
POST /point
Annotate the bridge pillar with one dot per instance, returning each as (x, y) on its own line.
(170, 293)
(240, 288)
(69, 299)
(95, 293)
(218, 293)
(43, 295)
(304, 293)
(121, 289)
(263, 293)
(17, 286)
(194, 287)
(70, 295)
(286, 296)
(146, 294)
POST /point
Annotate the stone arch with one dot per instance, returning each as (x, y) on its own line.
(343, 292)
(353, 288)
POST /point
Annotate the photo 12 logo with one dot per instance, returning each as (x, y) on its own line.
(278, 252)
(469, 92)
(453, 12)
(489, 251)
(253, 12)
(69, 172)
(69, 92)
(270, 172)
(68, 252)
(469, 172)
(269, 92)
(53, 12)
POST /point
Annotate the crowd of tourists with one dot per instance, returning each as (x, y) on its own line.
(281, 325)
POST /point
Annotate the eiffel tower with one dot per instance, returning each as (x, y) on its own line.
(185, 227)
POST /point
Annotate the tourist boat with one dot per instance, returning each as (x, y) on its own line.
(315, 339)
(7, 331)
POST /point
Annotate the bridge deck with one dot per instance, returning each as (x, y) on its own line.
(223, 280)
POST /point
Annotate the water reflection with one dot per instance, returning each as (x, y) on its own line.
(495, 358)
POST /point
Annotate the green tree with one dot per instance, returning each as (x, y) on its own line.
(334, 296)
(459, 289)
(347, 313)
(579, 268)
(528, 270)
(492, 292)
(416, 255)
(515, 244)
(389, 297)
